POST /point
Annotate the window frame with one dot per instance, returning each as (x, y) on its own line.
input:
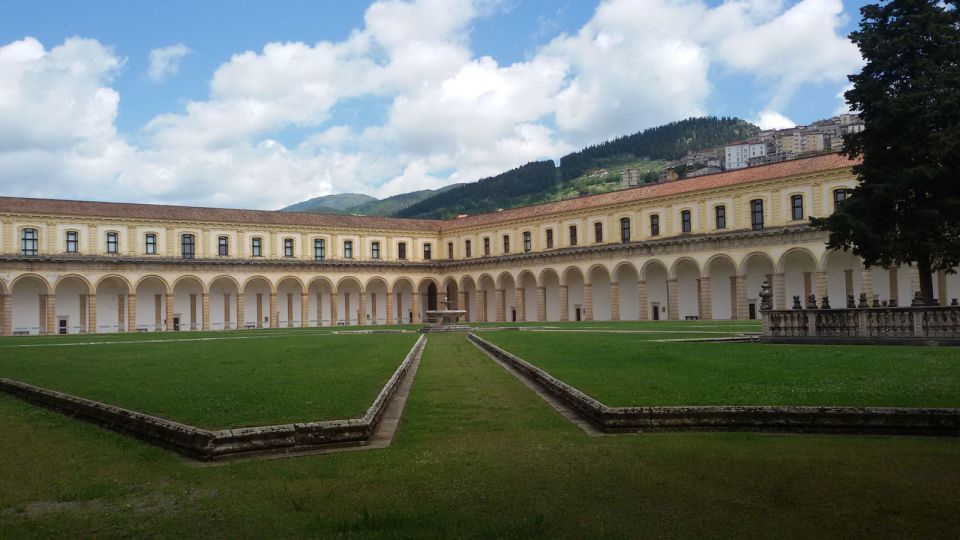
(427, 251)
(256, 246)
(506, 243)
(75, 242)
(574, 236)
(34, 241)
(846, 195)
(756, 209)
(450, 250)
(466, 248)
(288, 246)
(686, 221)
(654, 224)
(113, 242)
(223, 246)
(527, 242)
(794, 207)
(486, 246)
(720, 216)
(319, 249)
(402, 251)
(192, 252)
(375, 249)
(597, 232)
(150, 241)
(549, 235)
(348, 249)
(624, 229)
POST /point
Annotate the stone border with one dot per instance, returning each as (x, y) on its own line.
(209, 445)
(801, 419)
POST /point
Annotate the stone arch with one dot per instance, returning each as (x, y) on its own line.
(468, 291)
(686, 280)
(113, 304)
(117, 277)
(451, 290)
(626, 276)
(503, 276)
(30, 312)
(321, 291)
(599, 303)
(573, 280)
(549, 280)
(188, 309)
(506, 298)
(796, 268)
(838, 277)
(256, 302)
(684, 261)
(376, 291)
(350, 312)
(224, 313)
(3, 287)
(721, 282)
(486, 298)
(71, 293)
(756, 267)
(654, 275)
(257, 278)
(290, 308)
(403, 291)
(528, 295)
(152, 292)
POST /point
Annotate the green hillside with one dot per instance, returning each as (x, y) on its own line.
(365, 205)
(330, 204)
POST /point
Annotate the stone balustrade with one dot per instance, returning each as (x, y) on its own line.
(928, 324)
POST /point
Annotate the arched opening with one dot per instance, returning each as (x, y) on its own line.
(599, 279)
(30, 310)
(655, 277)
(844, 280)
(256, 303)
(376, 291)
(320, 292)
(152, 304)
(723, 288)
(72, 294)
(550, 281)
(626, 277)
(756, 268)
(112, 304)
(573, 281)
(527, 287)
(469, 289)
(451, 291)
(506, 286)
(486, 299)
(223, 303)
(289, 302)
(687, 274)
(187, 304)
(797, 266)
(403, 292)
(350, 312)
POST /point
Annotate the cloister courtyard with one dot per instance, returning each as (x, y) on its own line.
(476, 452)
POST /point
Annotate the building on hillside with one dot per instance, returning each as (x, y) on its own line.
(738, 154)
(630, 178)
(693, 248)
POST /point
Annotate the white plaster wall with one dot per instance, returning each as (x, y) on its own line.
(25, 301)
(601, 297)
(657, 290)
(68, 304)
(720, 297)
(629, 294)
(107, 300)
(687, 298)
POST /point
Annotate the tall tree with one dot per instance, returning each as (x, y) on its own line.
(906, 208)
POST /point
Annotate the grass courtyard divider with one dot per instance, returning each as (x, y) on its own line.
(209, 445)
(817, 418)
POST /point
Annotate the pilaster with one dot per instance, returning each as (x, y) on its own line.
(894, 285)
(92, 317)
(131, 313)
(241, 316)
(362, 310)
(481, 306)
(942, 288)
(866, 285)
(273, 310)
(415, 306)
(83, 314)
(564, 303)
(227, 316)
(587, 302)
(334, 308)
(779, 291)
(673, 306)
(500, 305)
(193, 312)
(205, 312)
(121, 308)
(743, 309)
(6, 314)
(389, 306)
(519, 299)
(289, 310)
(304, 310)
(822, 289)
(615, 301)
(259, 310)
(644, 300)
(706, 299)
(541, 304)
(169, 298)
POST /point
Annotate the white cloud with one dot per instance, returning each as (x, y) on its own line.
(773, 120)
(450, 114)
(165, 61)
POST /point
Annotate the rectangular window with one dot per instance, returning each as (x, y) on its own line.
(598, 232)
(549, 238)
(113, 244)
(486, 247)
(402, 251)
(720, 214)
(840, 195)
(685, 223)
(625, 229)
(72, 242)
(223, 246)
(655, 225)
(29, 241)
(288, 247)
(573, 235)
(796, 206)
(449, 250)
(375, 250)
(427, 255)
(506, 243)
(188, 246)
(256, 247)
(527, 242)
(150, 244)
(319, 249)
(756, 214)
(466, 248)
(348, 249)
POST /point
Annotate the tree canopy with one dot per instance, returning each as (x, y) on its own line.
(906, 208)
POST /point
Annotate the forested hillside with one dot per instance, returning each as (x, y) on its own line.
(541, 181)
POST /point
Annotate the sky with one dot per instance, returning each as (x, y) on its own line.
(255, 104)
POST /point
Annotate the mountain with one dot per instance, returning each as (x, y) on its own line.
(330, 204)
(594, 169)
(365, 205)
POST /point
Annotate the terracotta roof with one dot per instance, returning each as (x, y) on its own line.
(218, 215)
(783, 169)
(57, 207)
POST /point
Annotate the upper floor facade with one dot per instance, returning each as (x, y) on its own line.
(766, 197)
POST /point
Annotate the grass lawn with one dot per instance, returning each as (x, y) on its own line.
(629, 369)
(216, 380)
(478, 455)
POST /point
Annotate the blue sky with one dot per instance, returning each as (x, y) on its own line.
(261, 104)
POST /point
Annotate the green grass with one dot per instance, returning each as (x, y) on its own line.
(216, 380)
(628, 369)
(478, 455)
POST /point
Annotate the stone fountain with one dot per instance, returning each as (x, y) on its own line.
(444, 320)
